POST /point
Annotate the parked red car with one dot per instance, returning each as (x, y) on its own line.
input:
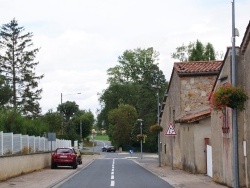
(64, 157)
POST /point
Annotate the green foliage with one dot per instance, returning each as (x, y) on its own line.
(17, 62)
(5, 91)
(85, 119)
(136, 66)
(135, 82)
(13, 121)
(195, 51)
(183, 52)
(68, 109)
(54, 121)
(114, 95)
(122, 120)
(209, 53)
(102, 137)
(36, 127)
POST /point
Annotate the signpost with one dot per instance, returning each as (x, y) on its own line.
(171, 132)
(51, 138)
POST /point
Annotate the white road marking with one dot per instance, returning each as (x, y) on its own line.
(112, 184)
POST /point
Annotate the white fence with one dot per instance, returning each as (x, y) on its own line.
(16, 143)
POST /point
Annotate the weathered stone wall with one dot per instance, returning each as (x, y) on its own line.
(184, 95)
(195, 91)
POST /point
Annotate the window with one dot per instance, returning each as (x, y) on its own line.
(225, 121)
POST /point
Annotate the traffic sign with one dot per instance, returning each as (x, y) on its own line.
(171, 131)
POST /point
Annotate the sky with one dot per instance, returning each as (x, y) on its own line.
(80, 39)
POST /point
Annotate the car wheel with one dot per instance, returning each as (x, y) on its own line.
(74, 165)
(53, 165)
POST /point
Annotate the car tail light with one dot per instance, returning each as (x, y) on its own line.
(72, 155)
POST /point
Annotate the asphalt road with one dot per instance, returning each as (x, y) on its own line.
(114, 172)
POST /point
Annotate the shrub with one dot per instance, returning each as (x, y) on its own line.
(26, 150)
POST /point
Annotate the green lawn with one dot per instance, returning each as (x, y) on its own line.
(102, 137)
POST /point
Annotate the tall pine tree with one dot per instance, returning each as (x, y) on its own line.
(17, 63)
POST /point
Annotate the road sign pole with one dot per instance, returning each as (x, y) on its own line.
(171, 132)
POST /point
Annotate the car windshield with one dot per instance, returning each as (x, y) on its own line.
(64, 150)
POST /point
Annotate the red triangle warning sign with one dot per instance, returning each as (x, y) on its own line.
(170, 131)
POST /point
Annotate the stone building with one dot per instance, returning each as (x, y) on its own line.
(221, 123)
(198, 127)
(186, 107)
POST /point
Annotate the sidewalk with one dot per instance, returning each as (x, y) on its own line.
(176, 178)
(47, 178)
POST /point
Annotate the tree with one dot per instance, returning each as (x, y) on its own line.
(54, 121)
(131, 82)
(17, 62)
(195, 51)
(85, 119)
(113, 96)
(209, 52)
(68, 109)
(136, 66)
(122, 120)
(5, 91)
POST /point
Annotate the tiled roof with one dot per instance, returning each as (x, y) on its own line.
(195, 116)
(198, 66)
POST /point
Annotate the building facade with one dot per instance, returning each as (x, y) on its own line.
(186, 107)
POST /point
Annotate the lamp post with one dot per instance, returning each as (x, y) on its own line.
(140, 120)
(67, 95)
(158, 122)
(81, 131)
(234, 113)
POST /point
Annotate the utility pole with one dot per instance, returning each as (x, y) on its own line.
(234, 110)
(158, 122)
(140, 120)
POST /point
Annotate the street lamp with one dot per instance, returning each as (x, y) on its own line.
(158, 122)
(234, 110)
(140, 120)
(67, 95)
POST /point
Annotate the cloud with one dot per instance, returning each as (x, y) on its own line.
(81, 39)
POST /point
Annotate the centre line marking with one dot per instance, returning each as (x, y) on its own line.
(112, 183)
